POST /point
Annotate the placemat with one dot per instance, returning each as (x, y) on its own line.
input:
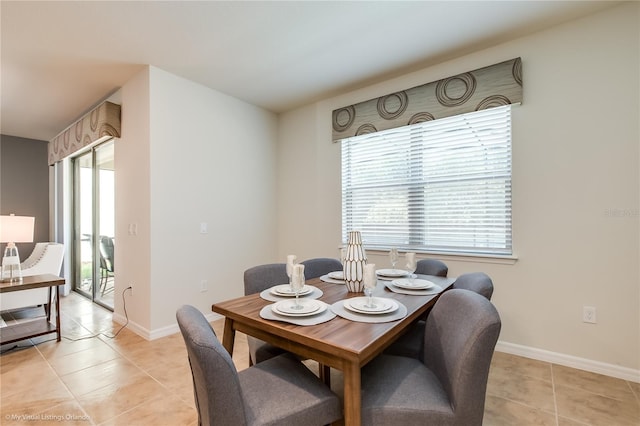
(267, 295)
(327, 315)
(327, 279)
(436, 289)
(339, 309)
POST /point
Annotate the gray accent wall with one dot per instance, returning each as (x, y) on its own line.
(24, 185)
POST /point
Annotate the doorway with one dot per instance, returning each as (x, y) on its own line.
(94, 224)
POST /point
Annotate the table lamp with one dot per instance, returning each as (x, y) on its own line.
(14, 229)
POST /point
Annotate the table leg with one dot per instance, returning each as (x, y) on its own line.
(57, 311)
(228, 336)
(352, 397)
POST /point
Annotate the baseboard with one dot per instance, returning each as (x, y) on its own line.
(158, 333)
(570, 361)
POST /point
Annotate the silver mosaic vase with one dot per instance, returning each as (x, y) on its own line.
(354, 262)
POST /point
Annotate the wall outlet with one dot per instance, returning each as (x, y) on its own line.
(589, 314)
(203, 286)
(130, 289)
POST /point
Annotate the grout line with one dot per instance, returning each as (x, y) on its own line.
(553, 391)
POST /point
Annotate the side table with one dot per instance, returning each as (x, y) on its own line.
(40, 326)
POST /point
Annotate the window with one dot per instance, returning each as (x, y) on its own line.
(437, 186)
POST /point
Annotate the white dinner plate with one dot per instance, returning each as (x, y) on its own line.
(415, 284)
(359, 305)
(285, 290)
(336, 275)
(392, 273)
(309, 307)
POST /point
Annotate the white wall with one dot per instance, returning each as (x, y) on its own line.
(189, 155)
(213, 160)
(575, 166)
(132, 206)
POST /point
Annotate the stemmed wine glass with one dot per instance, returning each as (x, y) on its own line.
(411, 265)
(297, 282)
(291, 260)
(393, 257)
(370, 282)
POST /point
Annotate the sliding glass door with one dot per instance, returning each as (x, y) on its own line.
(94, 224)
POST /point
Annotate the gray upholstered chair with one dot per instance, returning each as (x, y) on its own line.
(449, 387)
(257, 279)
(478, 282)
(432, 267)
(410, 343)
(280, 391)
(319, 266)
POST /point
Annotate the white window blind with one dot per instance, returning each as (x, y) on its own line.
(442, 185)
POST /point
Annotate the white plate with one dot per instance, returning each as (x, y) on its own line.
(415, 284)
(392, 273)
(309, 307)
(336, 275)
(359, 305)
(285, 290)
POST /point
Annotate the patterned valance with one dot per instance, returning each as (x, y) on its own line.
(488, 87)
(102, 121)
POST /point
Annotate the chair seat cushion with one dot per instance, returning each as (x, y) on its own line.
(300, 399)
(402, 391)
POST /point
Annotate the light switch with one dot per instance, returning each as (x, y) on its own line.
(204, 228)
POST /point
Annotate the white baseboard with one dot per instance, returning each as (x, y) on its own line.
(570, 361)
(159, 332)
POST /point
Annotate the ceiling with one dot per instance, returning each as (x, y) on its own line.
(58, 59)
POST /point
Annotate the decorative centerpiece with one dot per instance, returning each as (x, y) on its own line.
(354, 262)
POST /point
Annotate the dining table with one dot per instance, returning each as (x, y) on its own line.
(340, 343)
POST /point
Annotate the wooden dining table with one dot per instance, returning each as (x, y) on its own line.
(338, 343)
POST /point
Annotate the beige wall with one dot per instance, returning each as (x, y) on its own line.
(575, 190)
(190, 155)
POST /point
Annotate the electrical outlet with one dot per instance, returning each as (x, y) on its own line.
(203, 286)
(589, 314)
(130, 289)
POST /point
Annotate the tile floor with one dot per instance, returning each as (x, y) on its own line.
(127, 380)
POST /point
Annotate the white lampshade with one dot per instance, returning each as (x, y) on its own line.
(16, 229)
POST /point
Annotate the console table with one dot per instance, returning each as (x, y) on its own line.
(39, 326)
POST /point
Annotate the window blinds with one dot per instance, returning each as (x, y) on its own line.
(442, 185)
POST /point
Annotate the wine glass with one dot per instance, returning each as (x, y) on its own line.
(393, 257)
(291, 260)
(297, 282)
(411, 265)
(370, 283)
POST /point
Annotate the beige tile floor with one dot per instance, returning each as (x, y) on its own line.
(127, 380)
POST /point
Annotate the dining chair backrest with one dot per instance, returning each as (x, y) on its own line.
(319, 266)
(478, 282)
(217, 389)
(432, 267)
(257, 279)
(261, 277)
(279, 391)
(460, 336)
